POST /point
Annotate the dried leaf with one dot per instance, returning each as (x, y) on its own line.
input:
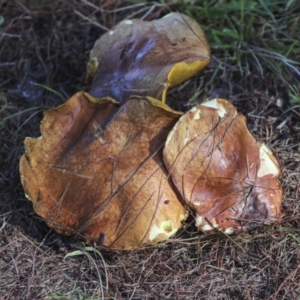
(97, 171)
(227, 176)
(146, 58)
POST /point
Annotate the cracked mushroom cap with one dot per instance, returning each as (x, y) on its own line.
(97, 171)
(145, 58)
(228, 177)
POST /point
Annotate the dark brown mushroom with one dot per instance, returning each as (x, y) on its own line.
(147, 57)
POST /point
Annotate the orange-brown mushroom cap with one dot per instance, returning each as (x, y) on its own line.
(227, 176)
(97, 171)
(145, 58)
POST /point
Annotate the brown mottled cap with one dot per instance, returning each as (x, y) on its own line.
(228, 177)
(97, 171)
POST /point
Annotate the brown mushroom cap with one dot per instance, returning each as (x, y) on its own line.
(97, 171)
(147, 57)
(221, 171)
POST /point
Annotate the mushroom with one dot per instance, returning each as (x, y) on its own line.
(228, 178)
(97, 171)
(145, 58)
(120, 172)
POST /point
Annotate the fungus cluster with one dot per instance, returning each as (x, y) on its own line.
(118, 167)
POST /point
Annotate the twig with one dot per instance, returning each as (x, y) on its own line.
(274, 296)
(91, 21)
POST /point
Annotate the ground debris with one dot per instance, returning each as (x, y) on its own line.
(43, 55)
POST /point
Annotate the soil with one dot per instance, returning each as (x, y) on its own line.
(44, 49)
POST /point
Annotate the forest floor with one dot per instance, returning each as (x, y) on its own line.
(44, 49)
